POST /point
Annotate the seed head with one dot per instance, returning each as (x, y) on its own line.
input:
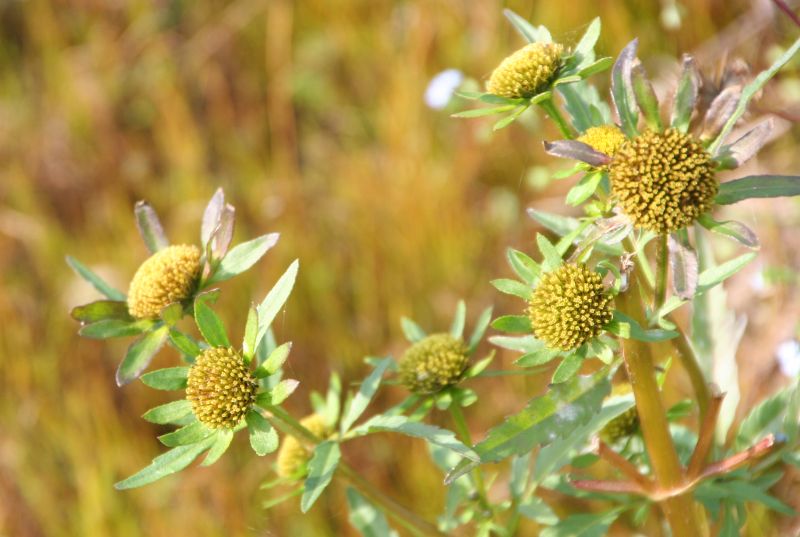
(433, 363)
(606, 139)
(569, 307)
(526, 72)
(663, 181)
(167, 276)
(220, 388)
(293, 455)
(623, 425)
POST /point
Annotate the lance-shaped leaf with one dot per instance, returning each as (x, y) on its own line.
(222, 440)
(512, 117)
(480, 112)
(622, 89)
(150, 227)
(745, 147)
(534, 34)
(139, 355)
(576, 150)
(479, 329)
(263, 437)
(212, 216)
(720, 111)
(321, 468)
(585, 188)
(275, 299)
(358, 404)
(169, 412)
(411, 330)
(242, 257)
(543, 420)
(169, 378)
(102, 310)
(115, 328)
(457, 326)
(685, 95)
(584, 50)
(758, 186)
(405, 425)
(97, 282)
(209, 323)
(170, 462)
(751, 89)
(732, 229)
(188, 434)
(683, 266)
(646, 97)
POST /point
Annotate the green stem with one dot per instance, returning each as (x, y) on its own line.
(552, 110)
(680, 509)
(662, 271)
(466, 438)
(409, 520)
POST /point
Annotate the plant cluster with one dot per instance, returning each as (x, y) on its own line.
(598, 313)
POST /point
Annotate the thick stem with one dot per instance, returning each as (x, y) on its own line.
(680, 509)
(409, 520)
(552, 110)
(477, 474)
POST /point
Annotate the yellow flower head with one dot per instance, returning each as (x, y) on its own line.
(606, 139)
(167, 276)
(293, 455)
(433, 363)
(569, 307)
(623, 425)
(526, 72)
(663, 181)
(220, 388)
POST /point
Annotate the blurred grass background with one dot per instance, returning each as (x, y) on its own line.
(310, 115)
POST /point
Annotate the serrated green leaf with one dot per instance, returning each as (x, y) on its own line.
(170, 462)
(275, 299)
(150, 227)
(170, 378)
(321, 468)
(102, 310)
(519, 324)
(222, 441)
(411, 330)
(139, 355)
(366, 392)
(209, 324)
(188, 434)
(405, 425)
(169, 412)
(263, 437)
(758, 186)
(96, 281)
(365, 517)
(242, 257)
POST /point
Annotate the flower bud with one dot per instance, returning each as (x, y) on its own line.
(167, 276)
(526, 72)
(433, 363)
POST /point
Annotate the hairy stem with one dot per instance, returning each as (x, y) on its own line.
(409, 520)
(477, 474)
(681, 512)
(552, 110)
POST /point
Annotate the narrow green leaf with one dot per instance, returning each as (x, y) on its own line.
(321, 468)
(170, 462)
(97, 282)
(512, 287)
(242, 257)
(365, 394)
(188, 434)
(183, 343)
(758, 186)
(283, 390)
(115, 328)
(732, 229)
(365, 517)
(523, 266)
(274, 361)
(595, 67)
(585, 47)
(713, 276)
(622, 89)
(171, 313)
(275, 299)
(139, 355)
(250, 334)
(333, 400)
(518, 324)
(480, 112)
(583, 525)
(685, 95)
(150, 227)
(404, 425)
(517, 343)
(511, 118)
(567, 369)
(552, 259)
(764, 418)
(480, 329)
(209, 323)
(411, 330)
(222, 441)
(169, 412)
(457, 327)
(635, 330)
(584, 189)
(751, 89)
(170, 378)
(533, 34)
(102, 310)
(263, 437)
(646, 98)
(537, 357)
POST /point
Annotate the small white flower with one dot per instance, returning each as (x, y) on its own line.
(788, 355)
(441, 87)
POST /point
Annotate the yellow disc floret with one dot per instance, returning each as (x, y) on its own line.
(433, 363)
(623, 425)
(606, 139)
(293, 455)
(167, 276)
(220, 388)
(526, 72)
(663, 181)
(569, 307)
